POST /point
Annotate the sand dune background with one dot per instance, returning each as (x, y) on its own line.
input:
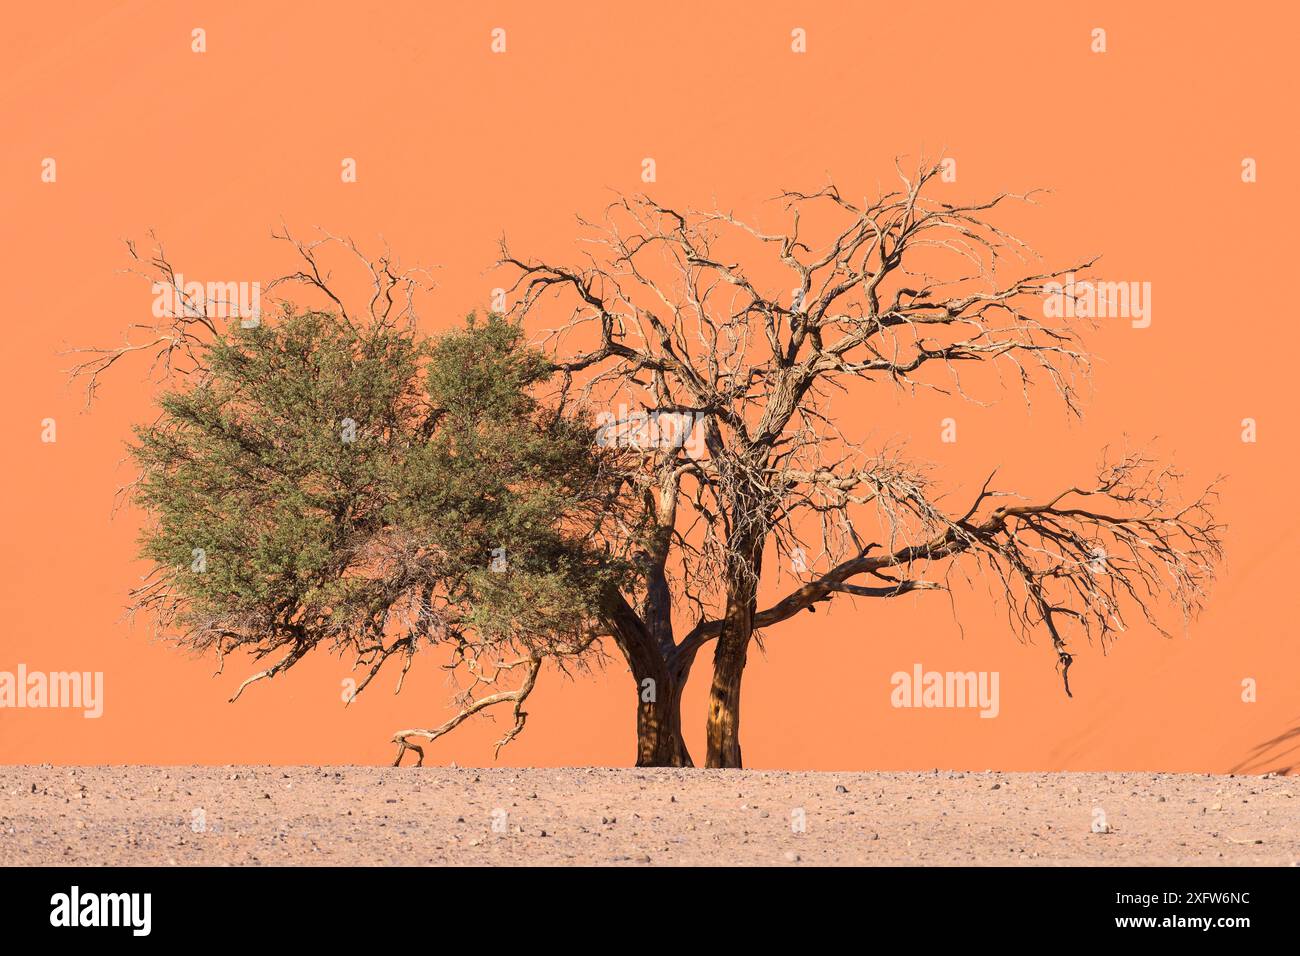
(454, 145)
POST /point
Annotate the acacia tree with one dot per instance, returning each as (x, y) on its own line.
(717, 360)
(755, 337)
(337, 481)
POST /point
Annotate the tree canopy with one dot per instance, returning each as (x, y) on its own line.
(371, 490)
(335, 478)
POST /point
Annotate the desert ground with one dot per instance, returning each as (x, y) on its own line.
(241, 815)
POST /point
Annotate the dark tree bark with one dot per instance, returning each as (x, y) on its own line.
(659, 740)
(722, 732)
(723, 728)
(646, 643)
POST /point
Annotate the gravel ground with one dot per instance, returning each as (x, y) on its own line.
(565, 816)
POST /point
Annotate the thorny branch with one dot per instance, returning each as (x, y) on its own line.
(517, 697)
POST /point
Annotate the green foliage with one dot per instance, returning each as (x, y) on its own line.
(314, 529)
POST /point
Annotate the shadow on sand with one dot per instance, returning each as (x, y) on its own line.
(1280, 755)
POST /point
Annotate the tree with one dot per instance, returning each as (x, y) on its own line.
(341, 482)
(677, 446)
(749, 335)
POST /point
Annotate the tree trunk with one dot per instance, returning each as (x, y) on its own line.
(729, 656)
(723, 731)
(659, 741)
(660, 680)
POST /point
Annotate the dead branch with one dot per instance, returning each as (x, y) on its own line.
(517, 697)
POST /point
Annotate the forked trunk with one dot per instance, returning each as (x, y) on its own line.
(659, 686)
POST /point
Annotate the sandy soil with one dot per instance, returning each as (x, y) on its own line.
(438, 815)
